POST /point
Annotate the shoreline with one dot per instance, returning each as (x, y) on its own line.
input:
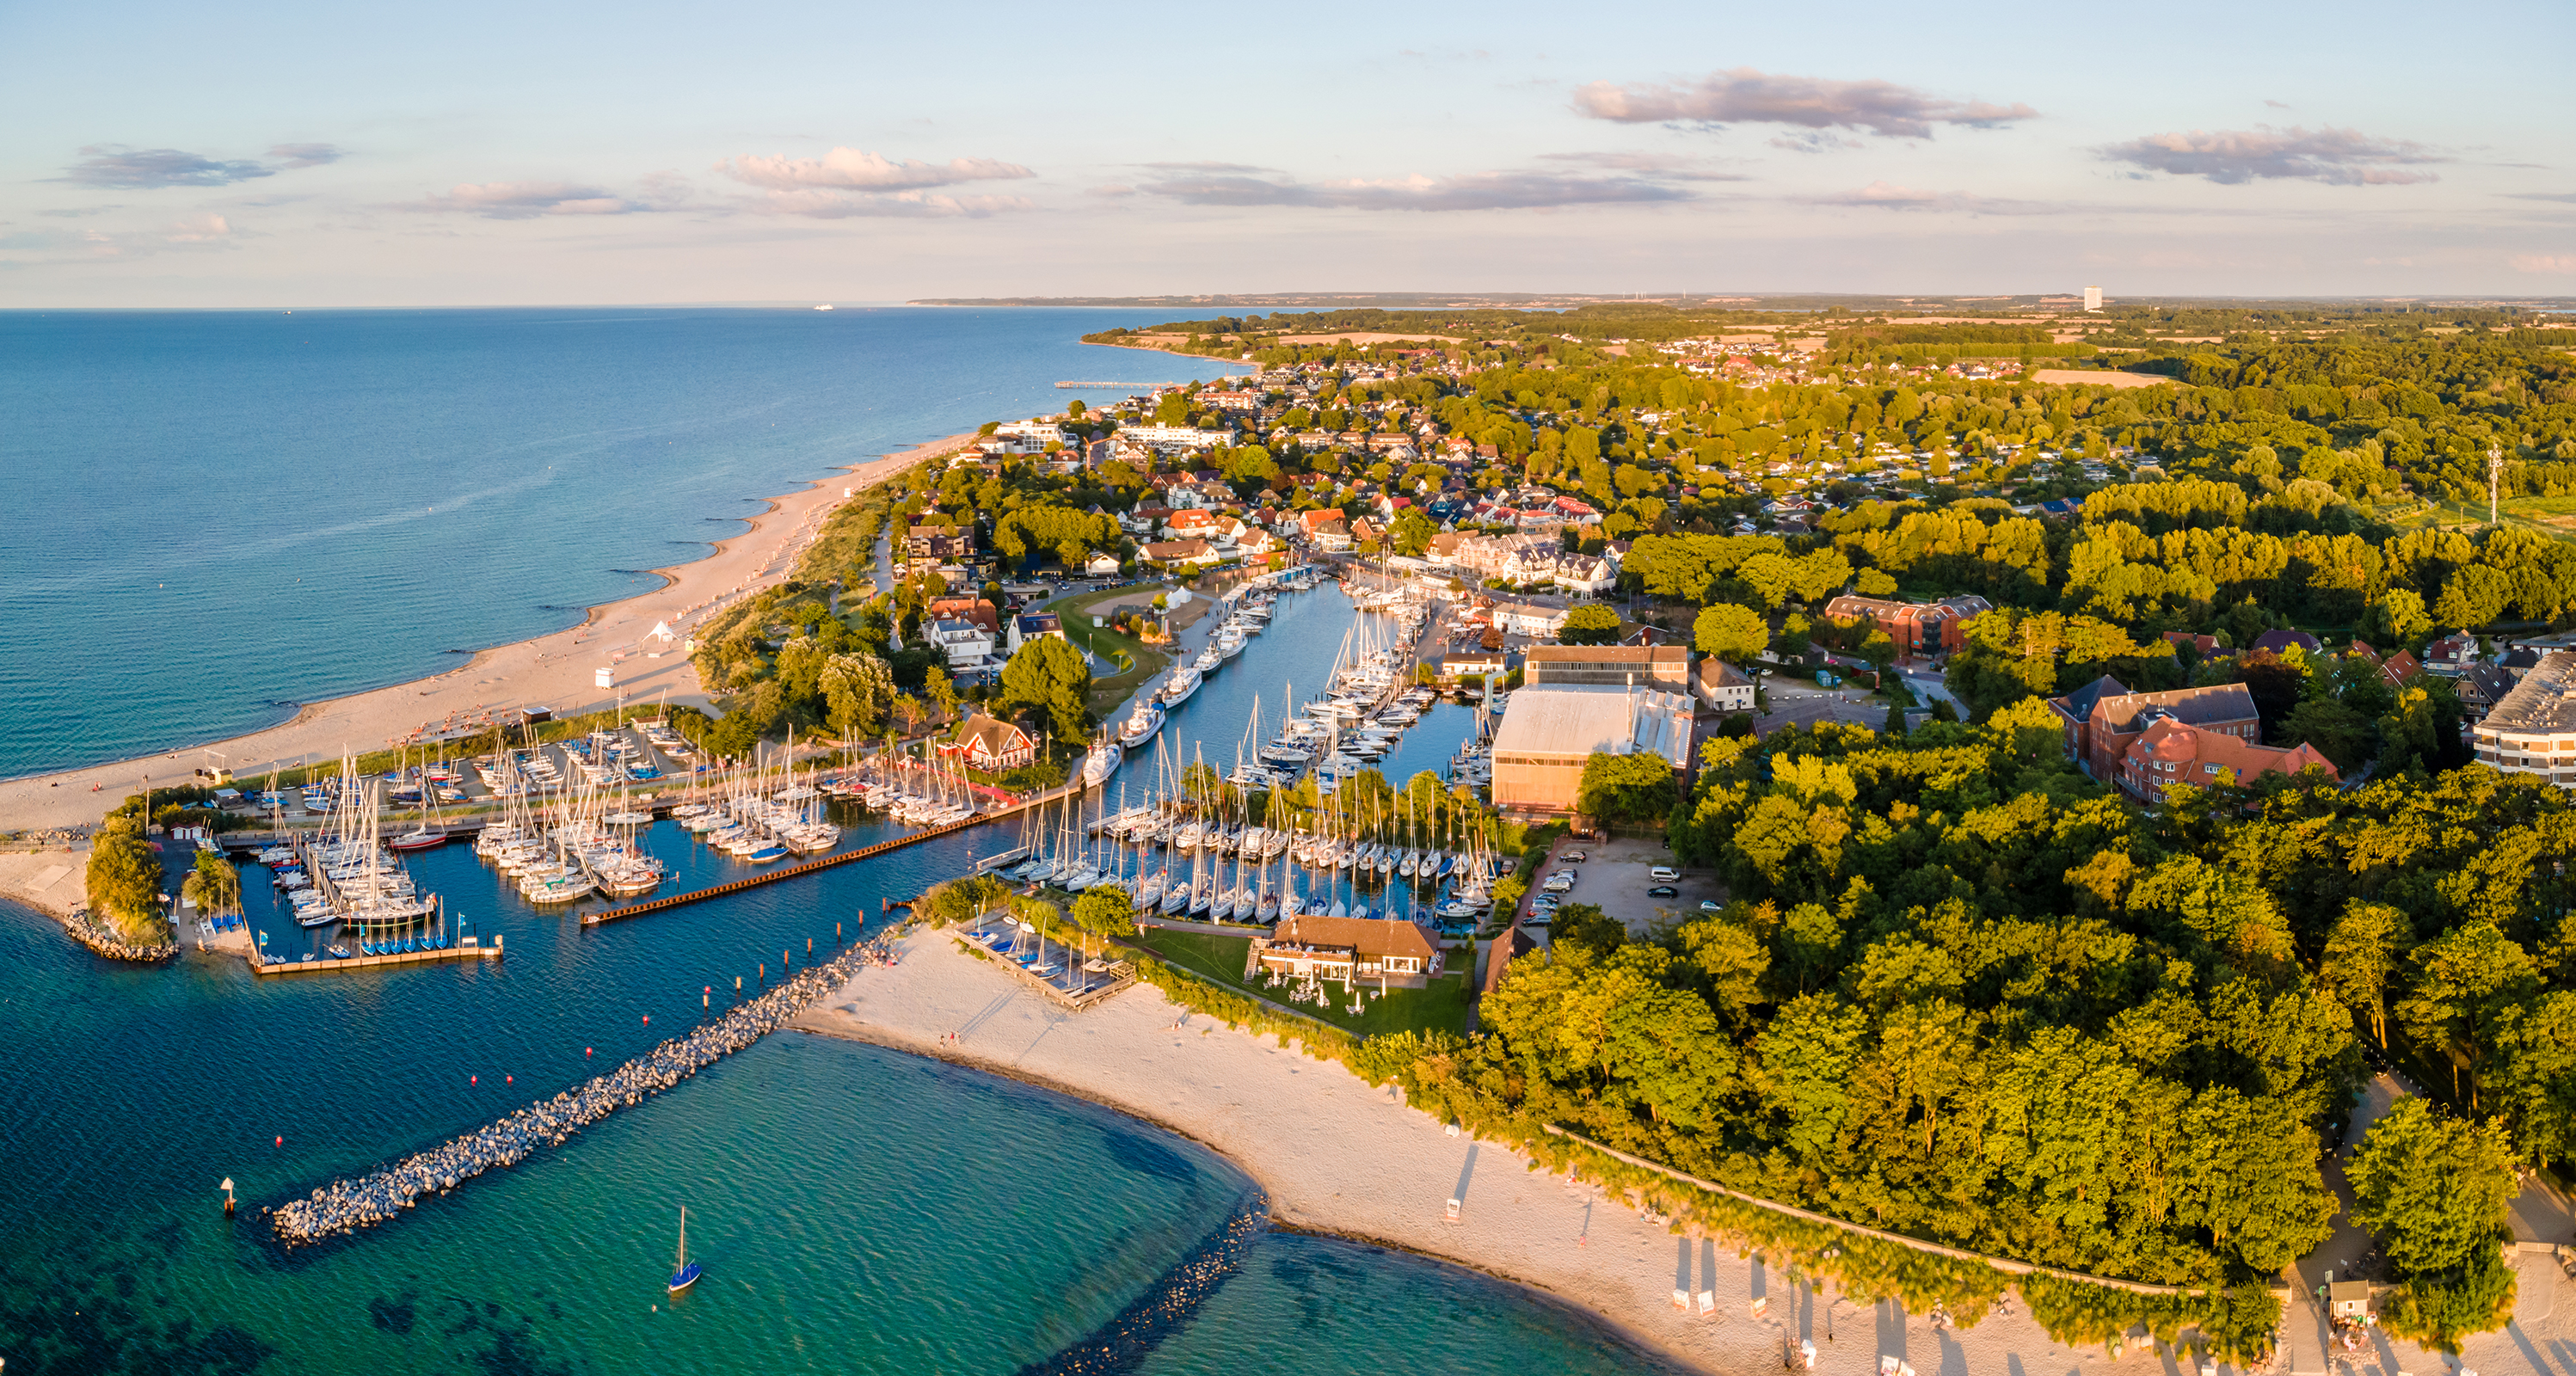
(1358, 1166)
(554, 670)
(866, 1035)
(1340, 1159)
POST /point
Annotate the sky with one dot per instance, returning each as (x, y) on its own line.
(476, 153)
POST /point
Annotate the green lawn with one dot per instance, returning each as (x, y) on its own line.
(1109, 646)
(1219, 959)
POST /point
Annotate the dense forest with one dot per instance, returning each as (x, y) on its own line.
(1964, 994)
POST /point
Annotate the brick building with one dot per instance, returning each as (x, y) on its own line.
(2169, 751)
(1607, 666)
(2103, 718)
(1916, 627)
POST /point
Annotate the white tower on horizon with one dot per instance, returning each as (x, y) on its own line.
(2093, 298)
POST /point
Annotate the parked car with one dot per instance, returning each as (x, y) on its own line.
(1663, 874)
(1663, 891)
(1573, 857)
(1709, 905)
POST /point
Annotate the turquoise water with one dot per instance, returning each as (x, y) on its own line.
(220, 515)
(858, 1210)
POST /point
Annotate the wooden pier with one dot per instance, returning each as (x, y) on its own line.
(655, 905)
(469, 948)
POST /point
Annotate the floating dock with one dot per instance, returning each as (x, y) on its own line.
(469, 948)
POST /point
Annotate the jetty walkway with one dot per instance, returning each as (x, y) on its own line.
(348, 1205)
(466, 948)
(797, 871)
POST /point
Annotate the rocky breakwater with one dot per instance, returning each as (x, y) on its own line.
(347, 1205)
(103, 940)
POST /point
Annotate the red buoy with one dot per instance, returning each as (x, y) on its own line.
(281, 1141)
(585, 1052)
(473, 1079)
(648, 1019)
(509, 1079)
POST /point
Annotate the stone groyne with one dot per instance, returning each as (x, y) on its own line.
(348, 1205)
(103, 941)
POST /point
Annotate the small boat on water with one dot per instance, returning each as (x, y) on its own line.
(1141, 726)
(418, 840)
(689, 1271)
(1103, 762)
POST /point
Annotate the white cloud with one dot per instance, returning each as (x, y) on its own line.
(529, 200)
(2337, 157)
(1747, 96)
(114, 166)
(828, 205)
(1888, 196)
(145, 169)
(2554, 264)
(852, 169)
(1470, 191)
(188, 233)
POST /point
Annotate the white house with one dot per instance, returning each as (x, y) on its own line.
(1102, 564)
(1034, 626)
(1036, 431)
(966, 644)
(1523, 618)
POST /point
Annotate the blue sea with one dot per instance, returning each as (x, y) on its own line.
(218, 516)
(857, 1209)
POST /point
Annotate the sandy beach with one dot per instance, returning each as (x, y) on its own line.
(1336, 1156)
(555, 671)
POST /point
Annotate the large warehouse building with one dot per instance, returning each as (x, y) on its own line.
(1547, 734)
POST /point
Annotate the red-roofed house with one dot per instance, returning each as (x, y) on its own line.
(1325, 527)
(973, 609)
(991, 745)
(1180, 553)
(2171, 752)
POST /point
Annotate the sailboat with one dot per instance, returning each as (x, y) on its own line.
(688, 1273)
(420, 837)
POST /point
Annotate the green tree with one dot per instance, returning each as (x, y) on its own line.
(1109, 912)
(1049, 675)
(214, 885)
(2401, 612)
(1591, 624)
(1735, 634)
(2468, 982)
(2339, 733)
(2361, 953)
(1413, 531)
(125, 881)
(1879, 649)
(2435, 1192)
(858, 691)
(1627, 788)
(1582, 928)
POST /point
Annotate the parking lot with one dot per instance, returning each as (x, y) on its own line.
(1613, 877)
(1795, 702)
